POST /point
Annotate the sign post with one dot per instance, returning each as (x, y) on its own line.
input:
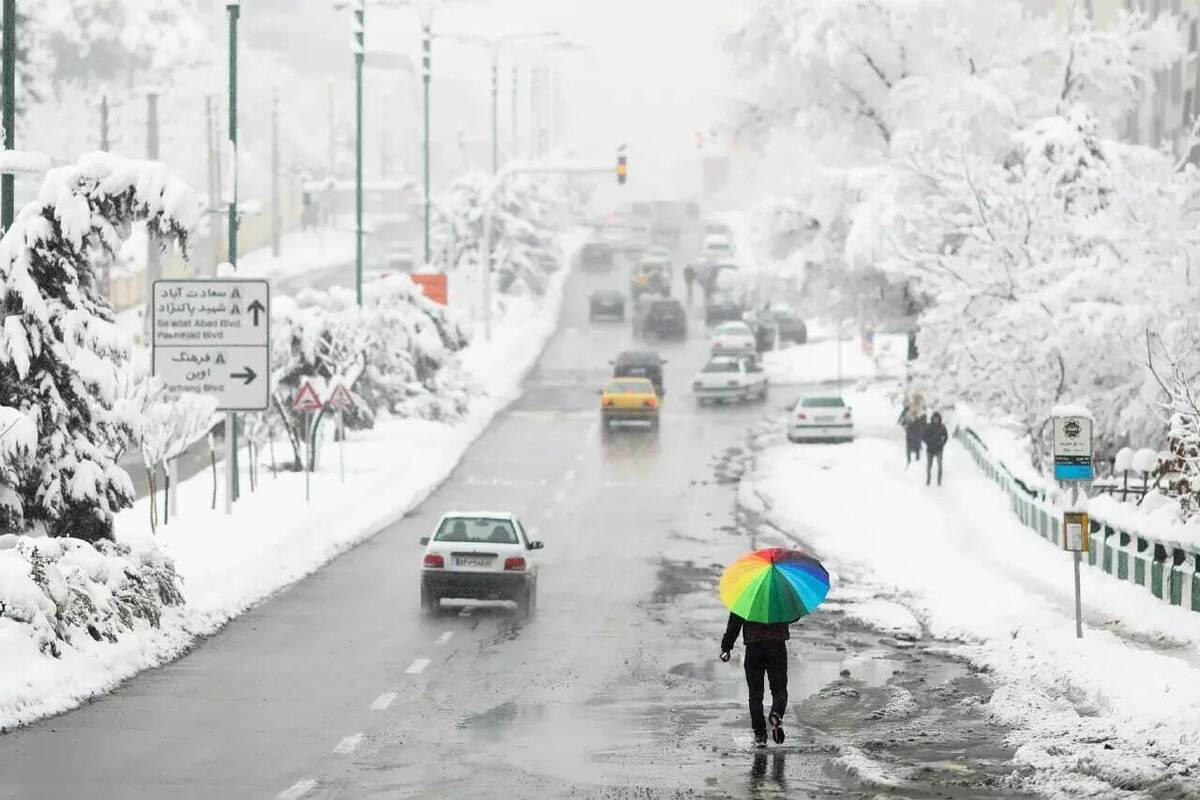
(308, 401)
(340, 400)
(213, 337)
(1073, 464)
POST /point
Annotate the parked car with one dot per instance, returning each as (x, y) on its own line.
(629, 400)
(821, 419)
(607, 303)
(479, 555)
(730, 378)
(791, 326)
(596, 256)
(733, 338)
(721, 308)
(665, 318)
(640, 364)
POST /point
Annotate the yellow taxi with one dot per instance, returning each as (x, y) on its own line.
(629, 400)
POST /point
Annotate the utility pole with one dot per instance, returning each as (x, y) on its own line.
(275, 212)
(153, 253)
(231, 431)
(8, 117)
(104, 144)
(214, 180)
(332, 131)
(360, 54)
(495, 109)
(516, 128)
(427, 79)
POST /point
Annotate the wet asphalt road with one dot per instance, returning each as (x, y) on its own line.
(339, 688)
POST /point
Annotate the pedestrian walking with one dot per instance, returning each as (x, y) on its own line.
(689, 278)
(912, 418)
(935, 441)
(766, 658)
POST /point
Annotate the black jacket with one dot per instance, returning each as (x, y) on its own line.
(935, 436)
(753, 632)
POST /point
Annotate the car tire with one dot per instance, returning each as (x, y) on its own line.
(431, 604)
(527, 602)
(763, 393)
(654, 425)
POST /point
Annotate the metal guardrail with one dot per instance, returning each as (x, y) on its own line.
(1168, 571)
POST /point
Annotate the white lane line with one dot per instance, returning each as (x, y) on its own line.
(445, 637)
(297, 790)
(418, 666)
(383, 701)
(349, 744)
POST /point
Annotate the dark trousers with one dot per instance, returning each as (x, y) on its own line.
(930, 456)
(769, 660)
(912, 453)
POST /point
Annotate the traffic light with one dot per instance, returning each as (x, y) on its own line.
(622, 170)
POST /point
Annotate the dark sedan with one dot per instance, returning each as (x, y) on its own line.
(606, 304)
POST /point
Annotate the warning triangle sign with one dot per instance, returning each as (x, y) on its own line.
(306, 399)
(341, 398)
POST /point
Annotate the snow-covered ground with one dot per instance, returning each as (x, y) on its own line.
(274, 538)
(300, 252)
(1118, 708)
(817, 361)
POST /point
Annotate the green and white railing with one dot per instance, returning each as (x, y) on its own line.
(1168, 570)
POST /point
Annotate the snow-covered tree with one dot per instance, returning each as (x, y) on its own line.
(60, 352)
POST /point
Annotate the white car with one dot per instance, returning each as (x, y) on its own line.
(479, 555)
(733, 338)
(730, 378)
(716, 247)
(821, 419)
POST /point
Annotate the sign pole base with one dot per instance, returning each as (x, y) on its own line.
(342, 445)
(1078, 600)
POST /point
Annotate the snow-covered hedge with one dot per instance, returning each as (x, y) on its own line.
(59, 589)
(529, 214)
(395, 353)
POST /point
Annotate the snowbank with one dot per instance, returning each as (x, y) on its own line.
(228, 564)
(1117, 708)
(817, 361)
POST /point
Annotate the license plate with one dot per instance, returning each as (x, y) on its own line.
(472, 562)
(824, 420)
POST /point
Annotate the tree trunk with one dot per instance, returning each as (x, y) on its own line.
(153, 500)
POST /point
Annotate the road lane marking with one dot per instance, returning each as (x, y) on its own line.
(348, 745)
(445, 637)
(297, 790)
(383, 701)
(418, 666)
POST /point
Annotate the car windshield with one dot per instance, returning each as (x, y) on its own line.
(482, 530)
(721, 365)
(822, 402)
(630, 387)
(733, 329)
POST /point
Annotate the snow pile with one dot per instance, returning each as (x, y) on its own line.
(1116, 709)
(56, 592)
(820, 360)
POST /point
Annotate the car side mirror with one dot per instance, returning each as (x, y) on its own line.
(536, 545)
(424, 540)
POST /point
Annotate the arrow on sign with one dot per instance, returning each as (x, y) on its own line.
(248, 375)
(256, 308)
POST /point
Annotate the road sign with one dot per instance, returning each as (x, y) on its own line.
(1076, 533)
(1072, 448)
(340, 400)
(306, 399)
(213, 336)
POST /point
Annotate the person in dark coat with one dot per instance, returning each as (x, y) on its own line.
(689, 278)
(914, 433)
(935, 442)
(766, 657)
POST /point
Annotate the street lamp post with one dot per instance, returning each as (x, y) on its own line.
(360, 54)
(231, 444)
(9, 66)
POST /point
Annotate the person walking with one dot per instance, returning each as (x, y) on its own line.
(689, 278)
(913, 421)
(935, 441)
(766, 657)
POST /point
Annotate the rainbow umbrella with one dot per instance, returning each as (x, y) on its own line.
(774, 585)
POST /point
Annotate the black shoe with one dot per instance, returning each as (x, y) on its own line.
(776, 728)
(760, 739)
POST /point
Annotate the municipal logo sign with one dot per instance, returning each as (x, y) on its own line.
(306, 399)
(1073, 448)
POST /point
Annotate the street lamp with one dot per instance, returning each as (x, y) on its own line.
(496, 43)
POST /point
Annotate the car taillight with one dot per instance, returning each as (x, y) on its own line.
(846, 416)
(514, 564)
(606, 402)
(434, 561)
(801, 417)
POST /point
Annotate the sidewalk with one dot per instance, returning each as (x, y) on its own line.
(1117, 708)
